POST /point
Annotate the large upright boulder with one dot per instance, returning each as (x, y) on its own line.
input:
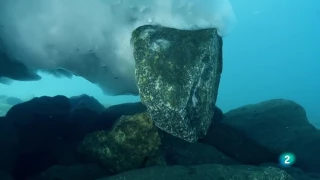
(178, 75)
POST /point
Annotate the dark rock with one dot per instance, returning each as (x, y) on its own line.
(306, 148)
(237, 145)
(179, 152)
(5, 176)
(83, 121)
(279, 126)
(306, 176)
(32, 163)
(65, 153)
(86, 102)
(178, 74)
(74, 172)
(155, 160)
(9, 145)
(297, 173)
(44, 131)
(204, 172)
(127, 146)
(38, 124)
(40, 121)
(217, 115)
(13, 101)
(274, 123)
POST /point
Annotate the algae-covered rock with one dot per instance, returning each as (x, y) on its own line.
(204, 172)
(178, 74)
(127, 146)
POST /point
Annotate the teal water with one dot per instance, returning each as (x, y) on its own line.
(51, 86)
(273, 53)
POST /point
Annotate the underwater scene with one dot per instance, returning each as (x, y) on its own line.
(159, 90)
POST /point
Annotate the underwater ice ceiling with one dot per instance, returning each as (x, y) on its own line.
(91, 39)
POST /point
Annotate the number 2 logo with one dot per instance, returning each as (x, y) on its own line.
(287, 158)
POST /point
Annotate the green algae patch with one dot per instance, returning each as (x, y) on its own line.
(133, 139)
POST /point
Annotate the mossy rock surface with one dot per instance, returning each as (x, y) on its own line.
(127, 146)
(178, 75)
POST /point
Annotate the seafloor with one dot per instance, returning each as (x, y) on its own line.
(60, 138)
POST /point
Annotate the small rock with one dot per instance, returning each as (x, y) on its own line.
(127, 146)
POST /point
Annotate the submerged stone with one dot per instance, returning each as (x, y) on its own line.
(178, 75)
(127, 146)
(204, 172)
